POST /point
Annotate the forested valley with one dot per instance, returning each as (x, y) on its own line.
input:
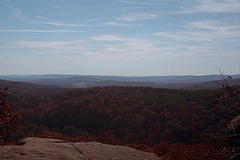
(174, 124)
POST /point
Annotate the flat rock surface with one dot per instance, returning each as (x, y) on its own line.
(34, 148)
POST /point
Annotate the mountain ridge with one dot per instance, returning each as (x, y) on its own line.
(189, 82)
(171, 78)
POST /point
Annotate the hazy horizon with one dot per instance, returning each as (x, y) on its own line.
(120, 37)
(224, 74)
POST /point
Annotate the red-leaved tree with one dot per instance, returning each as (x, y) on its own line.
(9, 121)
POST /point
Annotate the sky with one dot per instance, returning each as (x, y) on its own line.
(120, 37)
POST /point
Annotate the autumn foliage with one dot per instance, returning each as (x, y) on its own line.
(174, 124)
(9, 121)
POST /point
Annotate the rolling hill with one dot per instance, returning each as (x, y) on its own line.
(86, 81)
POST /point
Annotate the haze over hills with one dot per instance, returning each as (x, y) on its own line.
(84, 81)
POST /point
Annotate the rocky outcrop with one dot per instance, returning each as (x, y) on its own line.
(34, 148)
(234, 137)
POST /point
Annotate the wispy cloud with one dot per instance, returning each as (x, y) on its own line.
(16, 12)
(131, 17)
(216, 6)
(204, 31)
(60, 24)
(60, 49)
(122, 51)
(213, 6)
(44, 18)
(54, 7)
(184, 36)
(118, 24)
(136, 2)
(108, 38)
(211, 25)
(94, 19)
(41, 31)
(78, 47)
(45, 44)
(128, 46)
(125, 47)
(50, 21)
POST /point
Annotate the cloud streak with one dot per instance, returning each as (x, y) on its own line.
(42, 31)
(203, 31)
(57, 47)
(132, 17)
(216, 6)
(45, 44)
(60, 24)
(138, 3)
(212, 6)
(126, 46)
(118, 24)
(108, 38)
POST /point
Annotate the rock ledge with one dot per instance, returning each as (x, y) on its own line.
(34, 148)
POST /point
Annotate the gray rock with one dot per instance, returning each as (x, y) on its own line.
(34, 148)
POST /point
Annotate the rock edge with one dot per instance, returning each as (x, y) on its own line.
(33, 148)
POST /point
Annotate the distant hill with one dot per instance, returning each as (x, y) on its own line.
(84, 81)
(163, 79)
(25, 87)
(212, 84)
(186, 86)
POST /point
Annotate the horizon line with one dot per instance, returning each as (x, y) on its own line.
(66, 74)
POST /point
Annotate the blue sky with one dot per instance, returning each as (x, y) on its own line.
(119, 37)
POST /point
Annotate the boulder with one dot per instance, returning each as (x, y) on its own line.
(34, 148)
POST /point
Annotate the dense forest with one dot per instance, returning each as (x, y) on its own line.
(174, 124)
